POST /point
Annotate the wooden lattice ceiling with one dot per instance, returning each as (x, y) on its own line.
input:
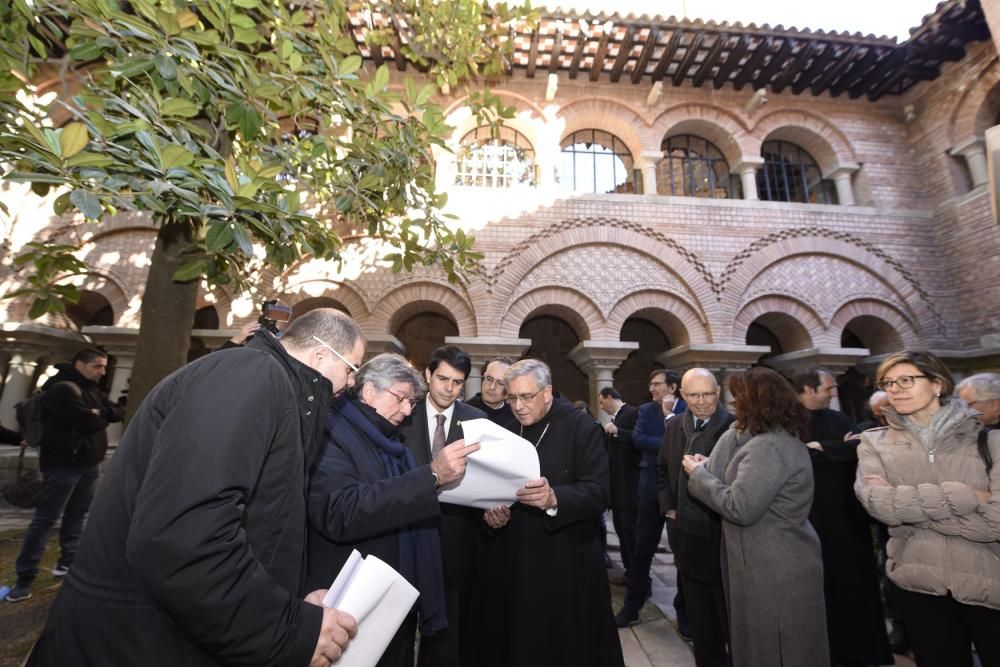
(639, 49)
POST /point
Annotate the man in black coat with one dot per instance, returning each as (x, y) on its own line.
(697, 531)
(194, 551)
(73, 444)
(855, 619)
(623, 461)
(437, 421)
(491, 399)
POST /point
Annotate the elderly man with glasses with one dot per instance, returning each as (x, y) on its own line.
(696, 531)
(491, 399)
(553, 605)
(194, 549)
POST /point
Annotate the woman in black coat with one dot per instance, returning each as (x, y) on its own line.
(366, 493)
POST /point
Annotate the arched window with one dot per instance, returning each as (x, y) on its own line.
(693, 167)
(504, 162)
(791, 174)
(595, 161)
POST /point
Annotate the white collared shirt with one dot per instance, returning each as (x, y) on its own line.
(432, 413)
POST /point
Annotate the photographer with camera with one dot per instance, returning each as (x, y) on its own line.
(271, 312)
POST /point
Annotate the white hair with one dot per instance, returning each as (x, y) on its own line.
(984, 386)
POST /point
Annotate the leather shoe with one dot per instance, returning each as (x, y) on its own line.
(626, 617)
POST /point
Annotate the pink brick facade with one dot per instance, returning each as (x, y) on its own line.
(911, 264)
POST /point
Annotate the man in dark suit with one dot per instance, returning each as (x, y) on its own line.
(696, 531)
(646, 438)
(437, 421)
(623, 461)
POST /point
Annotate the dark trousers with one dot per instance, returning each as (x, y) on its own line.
(447, 647)
(648, 531)
(66, 492)
(709, 625)
(942, 630)
(624, 522)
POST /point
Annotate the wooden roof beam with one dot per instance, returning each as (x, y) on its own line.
(667, 56)
(816, 69)
(647, 52)
(885, 69)
(762, 49)
(624, 51)
(843, 61)
(689, 58)
(732, 60)
(773, 65)
(533, 52)
(796, 66)
(711, 60)
(582, 38)
(857, 72)
(602, 52)
(883, 85)
(556, 53)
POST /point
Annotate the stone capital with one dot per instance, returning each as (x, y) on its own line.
(607, 356)
(483, 348)
(841, 171)
(968, 146)
(834, 359)
(382, 343)
(713, 356)
(749, 164)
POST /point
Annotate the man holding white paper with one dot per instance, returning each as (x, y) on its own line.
(552, 603)
(435, 423)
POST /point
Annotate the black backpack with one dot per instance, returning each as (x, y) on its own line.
(31, 415)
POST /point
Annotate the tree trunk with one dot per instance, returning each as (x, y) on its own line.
(167, 315)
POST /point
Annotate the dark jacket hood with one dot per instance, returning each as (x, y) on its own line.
(68, 373)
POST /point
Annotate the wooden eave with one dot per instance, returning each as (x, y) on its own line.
(643, 49)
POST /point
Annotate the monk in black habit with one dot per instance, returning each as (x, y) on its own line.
(556, 606)
(854, 615)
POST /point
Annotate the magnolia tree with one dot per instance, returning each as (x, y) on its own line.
(248, 130)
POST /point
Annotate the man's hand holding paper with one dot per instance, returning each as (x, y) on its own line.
(451, 461)
(502, 463)
(337, 630)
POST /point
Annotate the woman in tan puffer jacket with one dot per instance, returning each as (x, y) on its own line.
(924, 477)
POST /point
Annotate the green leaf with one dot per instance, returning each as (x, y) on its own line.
(191, 270)
(187, 19)
(89, 159)
(178, 106)
(62, 203)
(241, 20)
(176, 155)
(246, 118)
(246, 4)
(381, 77)
(246, 36)
(219, 235)
(87, 203)
(38, 308)
(350, 65)
(165, 65)
(73, 139)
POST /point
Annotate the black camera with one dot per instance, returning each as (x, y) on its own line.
(272, 312)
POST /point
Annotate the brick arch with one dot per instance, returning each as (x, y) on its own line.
(108, 285)
(877, 311)
(724, 129)
(976, 108)
(567, 304)
(822, 139)
(408, 300)
(759, 255)
(530, 252)
(126, 221)
(792, 322)
(608, 115)
(298, 292)
(530, 120)
(676, 318)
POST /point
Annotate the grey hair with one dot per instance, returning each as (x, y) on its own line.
(877, 397)
(984, 386)
(700, 372)
(332, 326)
(536, 368)
(387, 369)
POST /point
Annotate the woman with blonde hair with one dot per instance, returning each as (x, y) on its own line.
(924, 477)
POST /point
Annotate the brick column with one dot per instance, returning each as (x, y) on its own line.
(973, 150)
(481, 350)
(748, 175)
(599, 360)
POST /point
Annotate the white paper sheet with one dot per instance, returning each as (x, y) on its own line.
(379, 598)
(494, 473)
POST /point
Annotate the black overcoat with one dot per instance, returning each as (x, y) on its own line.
(623, 460)
(193, 554)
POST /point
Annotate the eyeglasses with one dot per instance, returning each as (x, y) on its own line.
(657, 383)
(512, 399)
(351, 367)
(903, 382)
(403, 399)
(703, 396)
(494, 381)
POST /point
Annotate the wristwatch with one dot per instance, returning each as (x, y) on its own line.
(437, 480)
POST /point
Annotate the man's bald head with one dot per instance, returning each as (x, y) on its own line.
(700, 390)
